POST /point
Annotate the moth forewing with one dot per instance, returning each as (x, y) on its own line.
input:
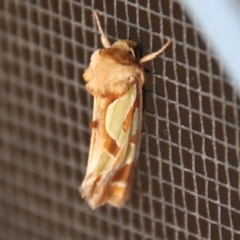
(114, 78)
(111, 156)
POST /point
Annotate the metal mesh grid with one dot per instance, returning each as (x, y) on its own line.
(186, 183)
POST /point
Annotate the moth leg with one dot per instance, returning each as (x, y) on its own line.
(105, 42)
(151, 56)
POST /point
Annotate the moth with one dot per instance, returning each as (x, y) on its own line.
(115, 79)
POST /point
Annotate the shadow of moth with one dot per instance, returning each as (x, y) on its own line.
(114, 78)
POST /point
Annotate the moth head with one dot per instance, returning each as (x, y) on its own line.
(126, 46)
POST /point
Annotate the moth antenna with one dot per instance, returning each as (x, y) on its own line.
(105, 42)
(151, 56)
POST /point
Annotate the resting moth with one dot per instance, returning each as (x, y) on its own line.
(114, 78)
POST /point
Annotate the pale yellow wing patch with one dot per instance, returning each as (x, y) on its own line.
(116, 115)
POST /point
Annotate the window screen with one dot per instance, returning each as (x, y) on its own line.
(186, 182)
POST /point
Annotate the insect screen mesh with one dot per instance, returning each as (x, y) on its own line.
(187, 176)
